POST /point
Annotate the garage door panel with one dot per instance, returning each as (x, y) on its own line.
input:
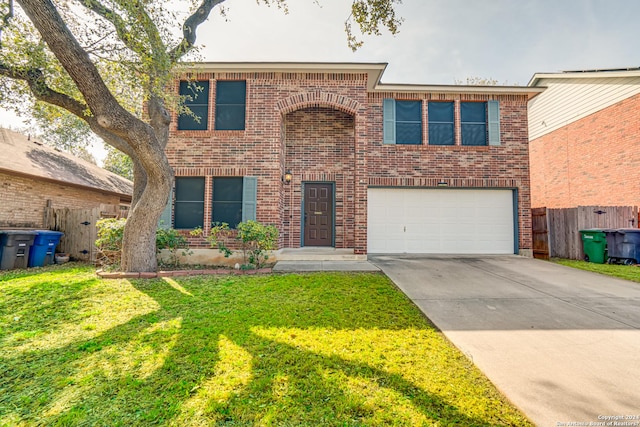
(404, 220)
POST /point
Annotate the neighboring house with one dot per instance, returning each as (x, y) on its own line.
(373, 167)
(34, 176)
(584, 133)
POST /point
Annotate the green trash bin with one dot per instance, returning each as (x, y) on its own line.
(594, 242)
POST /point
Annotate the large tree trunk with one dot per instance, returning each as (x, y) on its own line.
(139, 253)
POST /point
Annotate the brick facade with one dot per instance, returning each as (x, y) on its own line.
(592, 161)
(327, 127)
(24, 200)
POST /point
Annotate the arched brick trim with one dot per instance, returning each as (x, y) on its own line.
(318, 99)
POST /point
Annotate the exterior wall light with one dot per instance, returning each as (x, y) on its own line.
(443, 184)
(287, 177)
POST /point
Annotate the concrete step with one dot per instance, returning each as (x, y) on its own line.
(317, 254)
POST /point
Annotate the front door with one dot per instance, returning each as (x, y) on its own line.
(318, 214)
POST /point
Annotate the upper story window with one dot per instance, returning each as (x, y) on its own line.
(189, 202)
(402, 122)
(473, 123)
(230, 104)
(197, 100)
(441, 123)
(478, 123)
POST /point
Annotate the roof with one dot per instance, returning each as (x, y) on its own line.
(374, 72)
(27, 157)
(586, 74)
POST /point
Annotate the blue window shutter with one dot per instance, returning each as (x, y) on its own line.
(165, 218)
(249, 198)
(493, 119)
(389, 115)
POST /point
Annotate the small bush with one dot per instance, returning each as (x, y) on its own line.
(255, 240)
(111, 232)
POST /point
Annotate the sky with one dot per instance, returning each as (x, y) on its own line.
(440, 41)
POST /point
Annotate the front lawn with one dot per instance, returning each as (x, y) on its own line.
(627, 272)
(325, 349)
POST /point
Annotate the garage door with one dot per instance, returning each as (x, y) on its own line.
(446, 221)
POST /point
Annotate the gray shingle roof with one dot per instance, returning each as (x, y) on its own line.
(20, 154)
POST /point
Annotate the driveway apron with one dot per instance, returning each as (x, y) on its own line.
(562, 344)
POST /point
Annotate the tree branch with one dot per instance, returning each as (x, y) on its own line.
(190, 26)
(36, 81)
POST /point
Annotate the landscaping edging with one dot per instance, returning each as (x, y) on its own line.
(179, 273)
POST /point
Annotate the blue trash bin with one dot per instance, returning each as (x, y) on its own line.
(14, 248)
(44, 247)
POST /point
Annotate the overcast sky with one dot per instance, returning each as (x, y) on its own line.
(440, 41)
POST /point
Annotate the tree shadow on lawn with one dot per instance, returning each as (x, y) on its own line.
(226, 357)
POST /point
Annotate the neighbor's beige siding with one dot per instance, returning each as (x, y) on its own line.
(567, 100)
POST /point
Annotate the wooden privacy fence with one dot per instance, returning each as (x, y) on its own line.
(79, 228)
(556, 232)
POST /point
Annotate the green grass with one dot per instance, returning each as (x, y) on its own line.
(627, 272)
(325, 349)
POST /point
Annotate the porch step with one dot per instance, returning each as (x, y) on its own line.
(317, 254)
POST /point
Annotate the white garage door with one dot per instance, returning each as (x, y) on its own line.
(445, 221)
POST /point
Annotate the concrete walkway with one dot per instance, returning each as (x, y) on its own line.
(309, 266)
(562, 344)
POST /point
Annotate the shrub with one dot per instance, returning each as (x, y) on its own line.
(109, 242)
(255, 240)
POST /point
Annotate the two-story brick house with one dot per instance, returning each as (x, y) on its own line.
(333, 157)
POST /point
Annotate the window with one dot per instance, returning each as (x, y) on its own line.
(473, 123)
(197, 100)
(227, 201)
(230, 105)
(189, 202)
(402, 122)
(441, 123)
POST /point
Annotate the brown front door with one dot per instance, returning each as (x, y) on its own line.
(318, 214)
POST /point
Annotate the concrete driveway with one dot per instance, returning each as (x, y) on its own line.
(562, 344)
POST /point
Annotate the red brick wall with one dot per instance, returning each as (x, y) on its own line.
(503, 166)
(319, 142)
(593, 161)
(328, 128)
(24, 200)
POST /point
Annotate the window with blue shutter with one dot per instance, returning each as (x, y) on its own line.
(441, 123)
(231, 99)
(402, 122)
(196, 98)
(227, 201)
(473, 123)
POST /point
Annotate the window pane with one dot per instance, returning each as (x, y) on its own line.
(441, 134)
(227, 189)
(190, 189)
(473, 112)
(441, 112)
(227, 201)
(197, 93)
(189, 214)
(408, 133)
(229, 212)
(231, 92)
(189, 202)
(474, 134)
(230, 117)
(408, 111)
(186, 122)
